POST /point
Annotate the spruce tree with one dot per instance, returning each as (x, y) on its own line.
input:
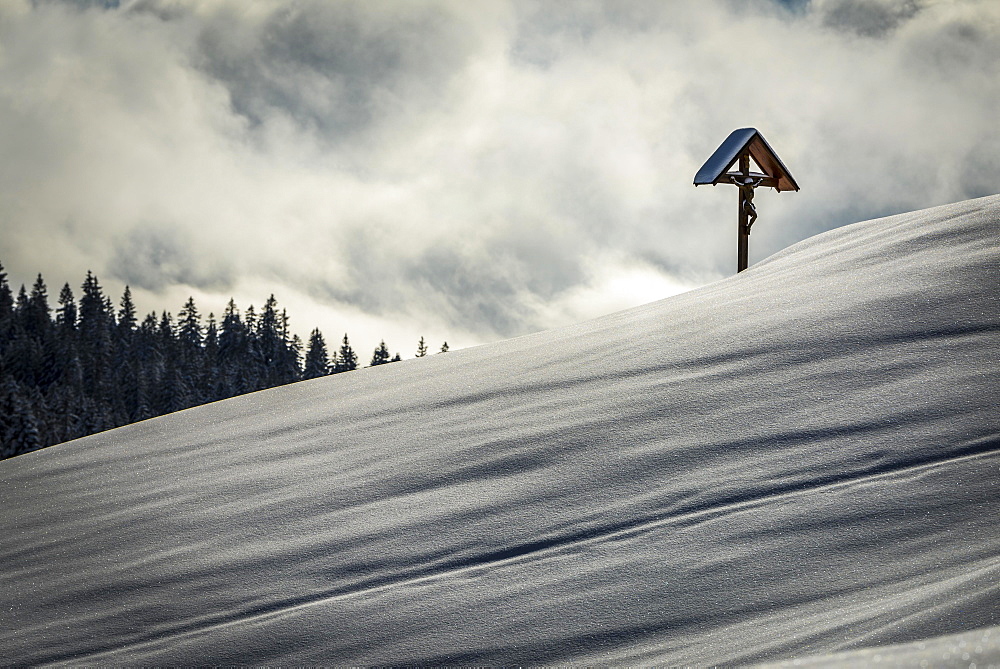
(252, 367)
(126, 372)
(444, 348)
(165, 335)
(381, 354)
(288, 354)
(18, 427)
(232, 333)
(94, 331)
(150, 359)
(126, 314)
(67, 395)
(293, 360)
(317, 361)
(269, 338)
(189, 326)
(39, 329)
(165, 347)
(21, 357)
(37, 322)
(421, 348)
(212, 388)
(250, 321)
(6, 300)
(347, 359)
(21, 304)
(190, 362)
(66, 313)
(211, 334)
(233, 343)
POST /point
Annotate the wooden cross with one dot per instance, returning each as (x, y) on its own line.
(742, 145)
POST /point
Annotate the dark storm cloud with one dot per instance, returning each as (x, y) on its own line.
(869, 18)
(479, 283)
(338, 67)
(154, 256)
(489, 288)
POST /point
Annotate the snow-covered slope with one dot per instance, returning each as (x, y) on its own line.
(800, 460)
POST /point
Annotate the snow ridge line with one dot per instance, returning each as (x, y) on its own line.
(686, 516)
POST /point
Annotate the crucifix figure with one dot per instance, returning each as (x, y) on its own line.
(742, 145)
(748, 212)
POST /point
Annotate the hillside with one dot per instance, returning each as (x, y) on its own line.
(799, 460)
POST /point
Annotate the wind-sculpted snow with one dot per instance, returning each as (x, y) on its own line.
(802, 460)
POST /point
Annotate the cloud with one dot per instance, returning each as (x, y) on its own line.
(338, 68)
(484, 169)
(154, 256)
(869, 18)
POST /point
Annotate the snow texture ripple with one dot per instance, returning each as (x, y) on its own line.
(797, 464)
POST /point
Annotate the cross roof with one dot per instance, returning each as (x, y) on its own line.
(715, 169)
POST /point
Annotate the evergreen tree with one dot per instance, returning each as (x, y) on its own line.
(211, 337)
(189, 327)
(293, 360)
(65, 326)
(232, 342)
(6, 300)
(396, 358)
(67, 356)
(39, 327)
(36, 319)
(128, 392)
(176, 393)
(126, 314)
(66, 313)
(18, 427)
(212, 380)
(251, 322)
(21, 353)
(421, 348)
(165, 334)
(317, 359)
(65, 401)
(22, 358)
(150, 361)
(190, 365)
(21, 304)
(347, 359)
(164, 351)
(288, 354)
(444, 347)
(94, 332)
(232, 333)
(267, 329)
(252, 367)
(381, 354)
(277, 354)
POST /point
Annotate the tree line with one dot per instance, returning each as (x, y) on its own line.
(87, 366)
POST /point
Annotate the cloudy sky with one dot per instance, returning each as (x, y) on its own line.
(466, 171)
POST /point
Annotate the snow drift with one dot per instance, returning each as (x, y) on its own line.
(799, 460)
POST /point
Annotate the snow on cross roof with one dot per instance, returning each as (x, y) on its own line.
(714, 169)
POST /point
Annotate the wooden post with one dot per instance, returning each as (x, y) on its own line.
(744, 231)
